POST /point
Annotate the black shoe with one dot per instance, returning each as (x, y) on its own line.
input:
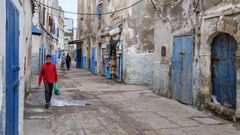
(47, 105)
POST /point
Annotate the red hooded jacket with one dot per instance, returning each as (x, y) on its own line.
(48, 74)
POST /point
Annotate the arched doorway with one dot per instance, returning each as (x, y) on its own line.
(224, 73)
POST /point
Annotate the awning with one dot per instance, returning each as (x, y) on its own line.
(36, 31)
(115, 31)
(76, 41)
(111, 32)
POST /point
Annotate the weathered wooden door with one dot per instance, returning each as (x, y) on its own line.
(103, 62)
(92, 63)
(182, 69)
(12, 69)
(84, 59)
(224, 77)
(120, 78)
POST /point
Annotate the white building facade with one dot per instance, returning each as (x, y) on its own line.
(16, 36)
(50, 22)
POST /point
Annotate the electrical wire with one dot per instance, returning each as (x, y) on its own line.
(48, 33)
(104, 13)
(155, 7)
(66, 18)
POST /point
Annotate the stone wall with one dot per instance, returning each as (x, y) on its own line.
(204, 20)
(137, 25)
(222, 18)
(140, 67)
(173, 18)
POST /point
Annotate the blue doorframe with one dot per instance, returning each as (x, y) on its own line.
(120, 78)
(92, 61)
(42, 56)
(224, 69)
(103, 62)
(182, 69)
(107, 63)
(79, 58)
(12, 69)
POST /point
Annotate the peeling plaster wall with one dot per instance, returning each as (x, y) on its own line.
(140, 67)
(2, 66)
(35, 55)
(174, 18)
(137, 30)
(141, 27)
(138, 37)
(224, 17)
(204, 20)
(139, 44)
(207, 4)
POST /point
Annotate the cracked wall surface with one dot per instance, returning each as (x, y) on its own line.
(204, 20)
(173, 18)
(137, 30)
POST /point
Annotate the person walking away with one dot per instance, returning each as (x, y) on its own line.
(63, 61)
(68, 61)
(49, 76)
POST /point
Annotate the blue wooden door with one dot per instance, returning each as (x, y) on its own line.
(92, 63)
(182, 69)
(84, 62)
(120, 79)
(43, 55)
(224, 77)
(103, 62)
(12, 69)
(79, 58)
(107, 60)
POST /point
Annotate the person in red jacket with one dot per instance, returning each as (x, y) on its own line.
(49, 76)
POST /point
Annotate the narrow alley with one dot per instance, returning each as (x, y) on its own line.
(93, 105)
(123, 67)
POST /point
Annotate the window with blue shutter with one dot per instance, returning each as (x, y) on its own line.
(99, 11)
(58, 32)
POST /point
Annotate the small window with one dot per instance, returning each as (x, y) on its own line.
(43, 16)
(58, 32)
(99, 11)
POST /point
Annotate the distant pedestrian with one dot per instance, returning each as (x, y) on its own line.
(63, 61)
(68, 61)
(49, 76)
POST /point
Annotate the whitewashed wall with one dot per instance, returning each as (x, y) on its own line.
(25, 24)
(2, 65)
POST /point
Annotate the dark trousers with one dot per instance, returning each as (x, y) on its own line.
(68, 64)
(48, 91)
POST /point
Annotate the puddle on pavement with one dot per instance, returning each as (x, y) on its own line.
(69, 102)
(38, 110)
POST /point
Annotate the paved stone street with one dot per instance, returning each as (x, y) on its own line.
(93, 105)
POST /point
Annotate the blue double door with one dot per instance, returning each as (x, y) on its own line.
(182, 69)
(224, 66)
(12, 68)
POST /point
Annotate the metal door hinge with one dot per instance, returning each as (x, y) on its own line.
(15, 86)
(7, 25)
(15, 69)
